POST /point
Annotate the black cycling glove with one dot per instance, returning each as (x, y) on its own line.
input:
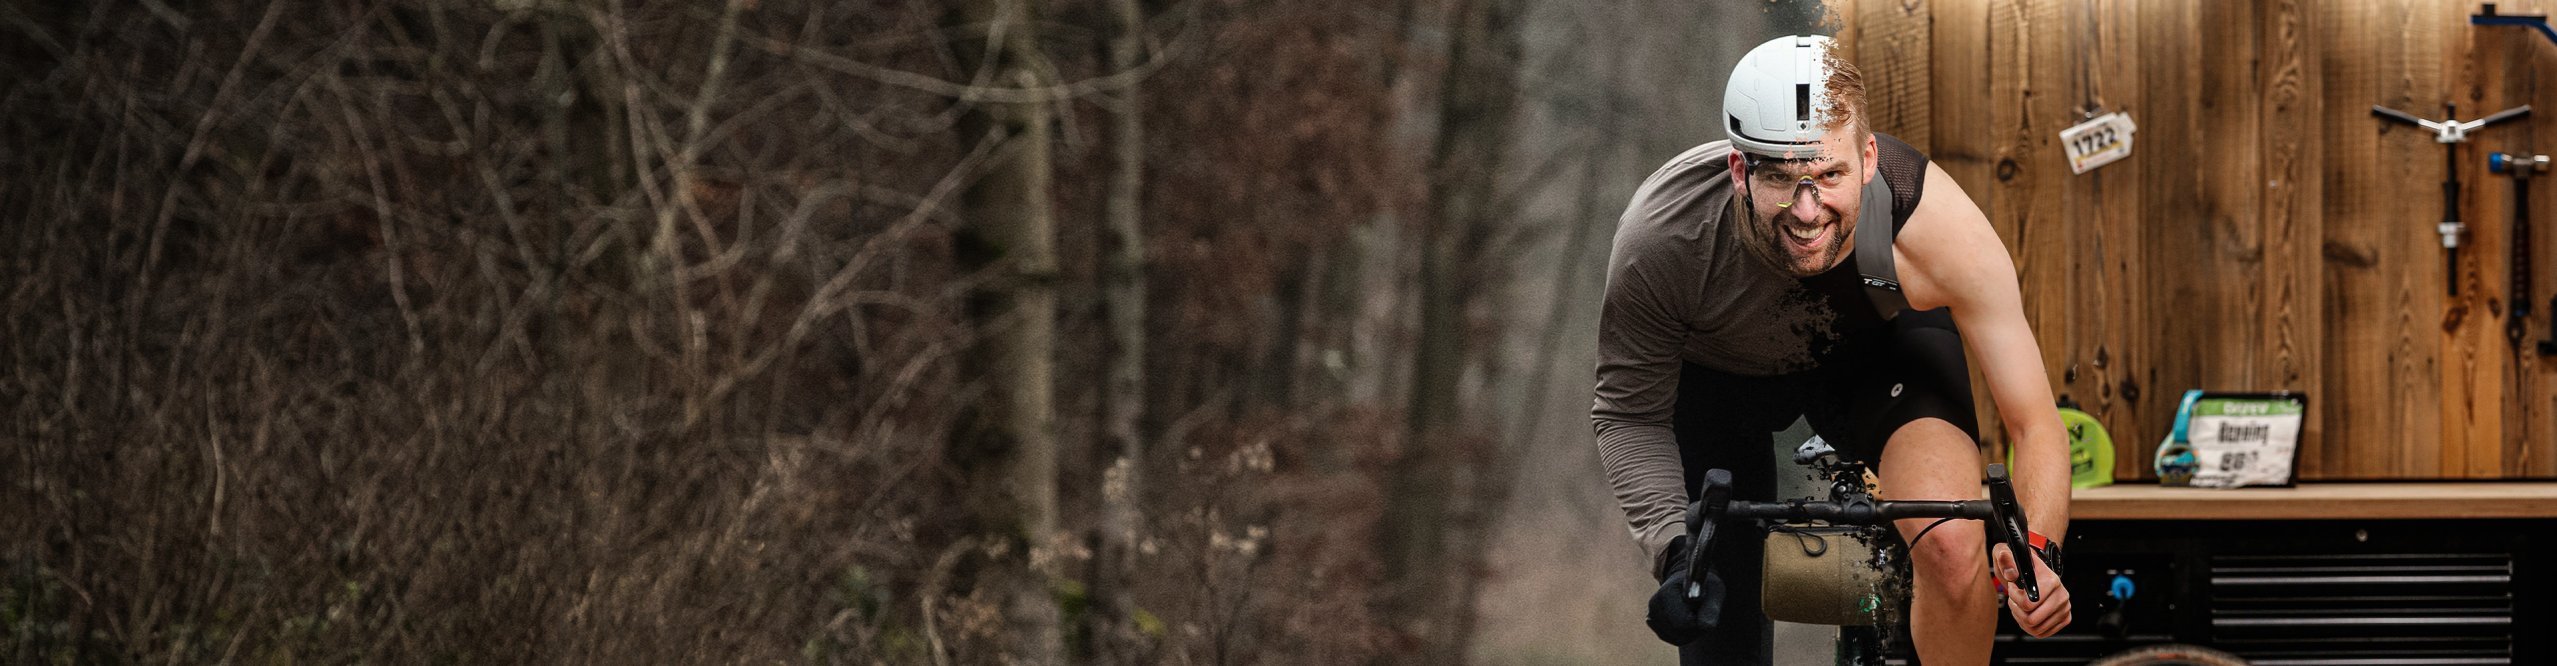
(1672, 617)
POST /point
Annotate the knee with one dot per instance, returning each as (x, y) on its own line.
(1952, 562)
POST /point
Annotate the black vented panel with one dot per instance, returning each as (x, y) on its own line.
(2363, 609)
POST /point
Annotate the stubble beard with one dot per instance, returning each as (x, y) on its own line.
(1775, 247)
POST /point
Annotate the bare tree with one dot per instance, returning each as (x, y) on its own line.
(1123, 393)
(1013, 234)
(1434, 513)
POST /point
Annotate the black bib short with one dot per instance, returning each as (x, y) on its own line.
(1899, 371)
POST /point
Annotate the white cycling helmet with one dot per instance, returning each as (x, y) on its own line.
(1772, 104)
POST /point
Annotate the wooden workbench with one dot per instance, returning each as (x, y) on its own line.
(2312, 501)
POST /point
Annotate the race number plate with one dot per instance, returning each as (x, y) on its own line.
(2245, 440)
(2098, 142)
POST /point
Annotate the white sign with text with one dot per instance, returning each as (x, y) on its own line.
(2098, 142)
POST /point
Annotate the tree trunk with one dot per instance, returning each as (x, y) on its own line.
(1593, 219)
(1123, 396)
(1012, 232)
(1433, 512)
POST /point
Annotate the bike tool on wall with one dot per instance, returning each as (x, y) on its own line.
(2486, 16)
(2516, 326)
(2450, 132)
(2520, 167)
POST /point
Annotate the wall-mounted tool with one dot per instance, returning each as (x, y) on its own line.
(2450, 132)
(2520, 167)
(2486, 16)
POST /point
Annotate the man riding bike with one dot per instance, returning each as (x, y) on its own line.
(1807, 267)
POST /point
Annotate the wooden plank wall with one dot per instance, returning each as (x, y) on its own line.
(2268, 232)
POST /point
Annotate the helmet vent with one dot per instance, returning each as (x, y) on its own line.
(1802, 102)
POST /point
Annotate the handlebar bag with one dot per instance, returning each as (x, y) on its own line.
(1824, 574)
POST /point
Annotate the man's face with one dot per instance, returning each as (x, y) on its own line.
(1802, 212)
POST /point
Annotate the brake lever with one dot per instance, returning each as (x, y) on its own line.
(2010, 525)
(1703, 518)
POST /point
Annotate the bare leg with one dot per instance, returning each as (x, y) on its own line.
(1953, 612)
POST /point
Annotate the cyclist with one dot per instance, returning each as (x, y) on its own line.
(1809, 267)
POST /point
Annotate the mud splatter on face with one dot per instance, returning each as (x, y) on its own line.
(1797, 234)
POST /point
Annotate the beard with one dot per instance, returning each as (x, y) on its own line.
(1770, 238)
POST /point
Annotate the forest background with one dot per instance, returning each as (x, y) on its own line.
(1121, 331)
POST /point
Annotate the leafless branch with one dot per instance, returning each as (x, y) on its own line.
(964, 92)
